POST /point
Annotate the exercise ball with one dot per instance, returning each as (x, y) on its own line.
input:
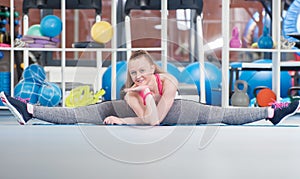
(172, 69)
(34, 30)
(34, 73)
(121, 79)
(1, 55)
(102, 32)
(236, 66)
(51, 26)
(264, 78)
(27, 91)
(49, 94)
(213, 79)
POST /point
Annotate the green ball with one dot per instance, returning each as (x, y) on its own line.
(34, 30)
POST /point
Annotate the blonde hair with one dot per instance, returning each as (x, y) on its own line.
(137, 54)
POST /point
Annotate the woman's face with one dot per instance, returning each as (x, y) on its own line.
(140, 70)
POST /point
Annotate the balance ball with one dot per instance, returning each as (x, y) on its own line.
(102, 32)
(121, 79)
(172, 69)
(49, 94)
(34, 73)
(51, 26)
(34, 30)
(264, 78)
(27, 91)
(213, 79)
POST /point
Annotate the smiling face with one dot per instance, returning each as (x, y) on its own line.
(140, 70)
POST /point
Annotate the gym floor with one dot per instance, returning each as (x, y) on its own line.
(42, 150)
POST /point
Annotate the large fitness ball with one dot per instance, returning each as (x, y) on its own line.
(49, 94)
(172, 69)
(51, 26)
(213, 79)
(34, 73)
(34, 30)
(264, 78)
(102, 32)
(121, 79)
(27, 91)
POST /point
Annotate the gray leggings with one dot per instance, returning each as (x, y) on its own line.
(182, 112)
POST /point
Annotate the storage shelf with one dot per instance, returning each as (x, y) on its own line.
(81, 49)
(277, 64)
(262, 50)
(63, 49)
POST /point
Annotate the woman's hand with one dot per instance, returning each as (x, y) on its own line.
(113, 120)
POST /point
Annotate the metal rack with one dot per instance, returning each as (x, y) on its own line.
(276, 52)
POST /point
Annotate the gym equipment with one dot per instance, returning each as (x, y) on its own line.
(5, 82)
(172, 69)
(213, 79)
(5, 14)
(264, 78)
(27, 91)
(40, 41)
(265, 40)
(293, 93)
(252, 30)
(87, 45)
(102, 32)
(235, 41)
(83, 96)
(1, 55)
(51, 26)
(240, 97)
(3, 22)
(121, 79)
(34, 73)
(290, 22)
(49, 94)
(34, 30)
(264, 96)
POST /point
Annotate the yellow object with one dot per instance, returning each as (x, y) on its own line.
(83, 96)
(254, 45)
(22, 65)
(102, 32)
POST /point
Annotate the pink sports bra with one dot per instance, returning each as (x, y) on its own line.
(159, 83)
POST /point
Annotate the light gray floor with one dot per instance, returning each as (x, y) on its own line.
(41, 150)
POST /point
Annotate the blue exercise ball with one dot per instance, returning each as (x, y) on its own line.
(5, 82)
(27, 91)
(1, 55)
(51, 26)
(49, 94)
(213, 79)
(34, 73)
(172, 69)
(121, 79)
(234, 65)
(264, 78)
